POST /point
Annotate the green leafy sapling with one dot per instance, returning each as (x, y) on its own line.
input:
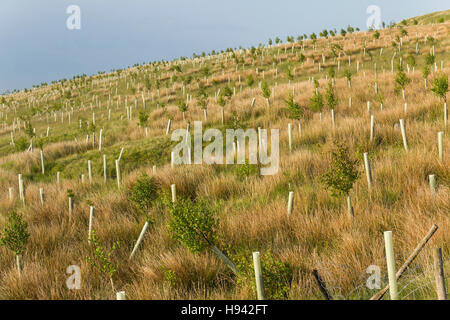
(266, 92)
(341, 174)
(102, 259)
(425, 74)
(203, 99)
(294, 109)
(440, 87)
(250, 81)
(194, 225)
(183, 107)
(145, 194)
(143, 118)
(316, 102)
(430, 59)
(348, 75)
(330, 97)
(15, 237)
(401, 81)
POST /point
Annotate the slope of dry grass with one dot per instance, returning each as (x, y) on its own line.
(252, 211)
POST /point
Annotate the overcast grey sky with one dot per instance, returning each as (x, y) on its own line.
(36, 45)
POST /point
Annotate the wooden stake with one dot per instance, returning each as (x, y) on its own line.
(322, 286)
(439, 274)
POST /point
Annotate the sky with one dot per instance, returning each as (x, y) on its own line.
(37, 46)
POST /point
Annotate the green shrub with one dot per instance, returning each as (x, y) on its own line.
(193, 224)
(102, 259)
(440, 86)
(21, 144)
(143, 117)
(15, 234)
(430, 59)
(316, 102)
(330, 97)
(246, 170)
(342, 173)
(145, 193)
(277, 275)
(294, 109)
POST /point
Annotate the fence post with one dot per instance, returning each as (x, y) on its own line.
(439, 274)
(390, 260)
(258, 276)
(322, 286)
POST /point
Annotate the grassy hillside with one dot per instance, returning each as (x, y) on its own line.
(435, 17)
(249, 210)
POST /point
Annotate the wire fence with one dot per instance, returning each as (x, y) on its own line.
(417, 283)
